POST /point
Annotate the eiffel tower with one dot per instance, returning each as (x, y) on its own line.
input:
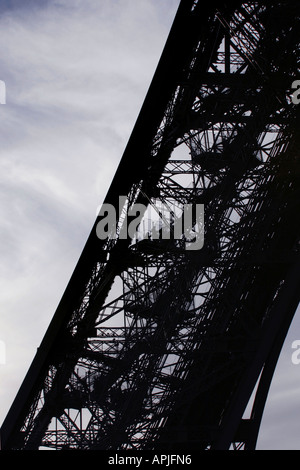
(154, 344)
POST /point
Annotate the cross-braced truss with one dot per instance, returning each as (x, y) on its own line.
(156, 346)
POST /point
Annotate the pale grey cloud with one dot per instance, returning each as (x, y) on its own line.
(76, 74)
(280, 428)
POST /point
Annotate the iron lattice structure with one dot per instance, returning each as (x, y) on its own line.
(154, 346)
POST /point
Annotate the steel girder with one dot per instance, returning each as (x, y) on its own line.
(154, 346)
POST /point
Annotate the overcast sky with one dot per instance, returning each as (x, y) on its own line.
(76, 74)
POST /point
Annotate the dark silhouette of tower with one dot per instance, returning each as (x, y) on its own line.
(155, 345)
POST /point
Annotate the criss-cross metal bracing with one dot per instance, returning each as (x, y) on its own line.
(154, 345)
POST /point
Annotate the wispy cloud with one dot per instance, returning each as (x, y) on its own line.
(76, 74)
(280, 429)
